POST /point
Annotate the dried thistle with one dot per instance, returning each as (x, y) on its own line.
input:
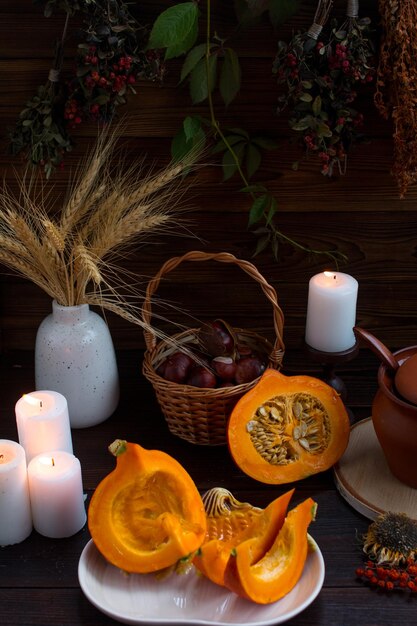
(71, 255)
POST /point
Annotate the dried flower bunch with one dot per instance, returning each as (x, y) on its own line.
(321, 71)
(72, 255)
(395, 94)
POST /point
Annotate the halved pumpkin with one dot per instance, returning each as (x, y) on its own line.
(265, 577)
(147, 514)
(287, 428)
(229, 523)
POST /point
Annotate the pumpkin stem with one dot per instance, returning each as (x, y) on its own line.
(118, 447)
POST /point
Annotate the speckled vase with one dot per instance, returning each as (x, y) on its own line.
(74, 355)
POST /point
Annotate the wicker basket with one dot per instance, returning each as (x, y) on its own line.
(200, 415)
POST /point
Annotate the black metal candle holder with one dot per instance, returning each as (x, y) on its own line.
(329, 362)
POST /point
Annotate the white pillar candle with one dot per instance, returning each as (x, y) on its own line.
(331, 312)
(56, 494)
(15, 512)
(43, 423)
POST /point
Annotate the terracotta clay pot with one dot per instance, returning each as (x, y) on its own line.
(395, 423)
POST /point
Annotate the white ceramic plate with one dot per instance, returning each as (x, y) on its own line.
(188, 598)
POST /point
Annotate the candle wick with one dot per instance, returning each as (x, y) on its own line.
(334, 276)
(1, 456)
(53, 462)
(40, 403)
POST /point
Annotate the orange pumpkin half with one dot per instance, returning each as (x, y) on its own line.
(147, 513)
(287, 428)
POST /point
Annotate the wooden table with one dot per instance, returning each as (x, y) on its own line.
(38, 578)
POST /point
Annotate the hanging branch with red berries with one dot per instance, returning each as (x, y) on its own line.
(111, 58)
(321, 70)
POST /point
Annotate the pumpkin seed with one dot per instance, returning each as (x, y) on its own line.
(271, 424)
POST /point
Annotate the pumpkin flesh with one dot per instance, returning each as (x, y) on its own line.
(213, 556)
(147, 513)
(287, 428)
(266, 577)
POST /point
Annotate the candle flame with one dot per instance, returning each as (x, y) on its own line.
(47, 460)
(31, 400)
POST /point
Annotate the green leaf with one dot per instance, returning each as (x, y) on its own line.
(316, 105)
(198, 79)
(273, 208)
(181, 147)
(221, 146)
(253, 159)
(174, 25)
(302, 124)
(257, 209)
(230, 76)
(265, 142)
(275, 247)
(262, 244)
(281, 10)
(256, 188)
(230, 166)
(257, 7)
(192, 127)
(306, 97)
(323, 130)
(183, 46)
(192, 58)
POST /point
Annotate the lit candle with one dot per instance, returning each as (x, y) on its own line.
(15, 512)
(331, 312)
(56, 494)
(43, 423)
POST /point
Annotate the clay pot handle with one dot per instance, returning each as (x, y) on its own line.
(377, 347)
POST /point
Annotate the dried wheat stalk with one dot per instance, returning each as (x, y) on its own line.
(70, 256)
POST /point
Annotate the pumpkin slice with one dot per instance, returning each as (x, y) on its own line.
(229, 522)
(265, 577)
(147, 514)
(287, 428)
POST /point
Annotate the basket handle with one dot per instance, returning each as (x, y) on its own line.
(222, 257)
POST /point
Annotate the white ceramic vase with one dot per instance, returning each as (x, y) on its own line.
(74, 355)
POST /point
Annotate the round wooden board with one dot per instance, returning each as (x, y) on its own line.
(363, 478)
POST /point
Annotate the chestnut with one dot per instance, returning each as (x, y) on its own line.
(225, 367)
(217, 338)
(243, 351)
(247, 369)
(201, 377)
(177, 367)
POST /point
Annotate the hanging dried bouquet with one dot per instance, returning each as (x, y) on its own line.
(396, 95)
(321, 70)
(111, 59)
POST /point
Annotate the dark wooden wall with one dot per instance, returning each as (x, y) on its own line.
(360, 214)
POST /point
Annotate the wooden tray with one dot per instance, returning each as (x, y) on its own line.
(363, 478)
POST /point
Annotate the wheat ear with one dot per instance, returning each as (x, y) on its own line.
(84, 194)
